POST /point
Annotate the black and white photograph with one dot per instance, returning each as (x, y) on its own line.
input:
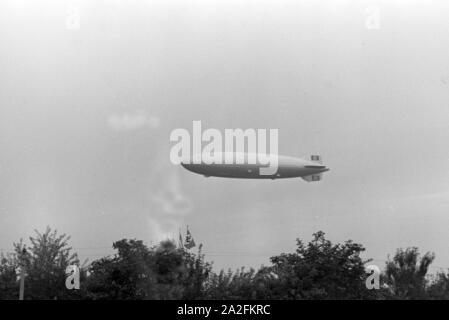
(215, 152)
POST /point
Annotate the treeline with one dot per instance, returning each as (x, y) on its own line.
(318, 269)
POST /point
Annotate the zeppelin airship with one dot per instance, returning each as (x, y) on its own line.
(287, 167)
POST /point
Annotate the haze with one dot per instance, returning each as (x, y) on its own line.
(87, 106)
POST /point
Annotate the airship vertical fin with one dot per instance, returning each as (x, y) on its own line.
(316, 158)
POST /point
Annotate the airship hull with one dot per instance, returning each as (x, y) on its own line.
(288, 167)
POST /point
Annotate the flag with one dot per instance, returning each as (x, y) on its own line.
(189, 243)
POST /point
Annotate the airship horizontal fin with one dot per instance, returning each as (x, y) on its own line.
(313, 177)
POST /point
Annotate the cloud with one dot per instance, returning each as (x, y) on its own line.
(132, 121)
(169, 202)
(170, 198)
(162, 231)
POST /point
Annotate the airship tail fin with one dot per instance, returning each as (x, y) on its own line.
(313, 177)
(316, 158)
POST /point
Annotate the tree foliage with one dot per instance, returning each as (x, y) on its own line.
(405, 275)
(318, 269)
(322, 270)
(45, 261)
(138, 272)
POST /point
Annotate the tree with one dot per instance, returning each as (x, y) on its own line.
(127, 275)
(231, 285)
(242, 284)
(170, 269)
(405, 275)
(321, 270)
(45, 262)
(138, 272)
(439, 286)
(9, 285)
(197, 272)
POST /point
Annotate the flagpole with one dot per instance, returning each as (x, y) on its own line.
(22, 282)
(22, 275)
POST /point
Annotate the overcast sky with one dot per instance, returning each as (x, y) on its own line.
(90, 91)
